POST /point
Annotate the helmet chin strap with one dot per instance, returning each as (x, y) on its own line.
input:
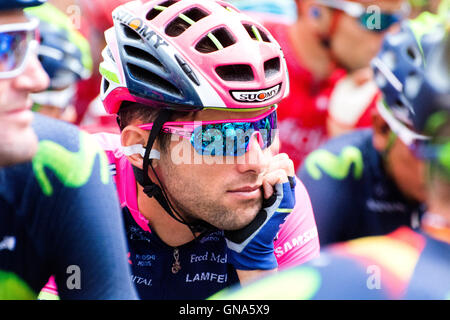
(139, 149)
(154, 190)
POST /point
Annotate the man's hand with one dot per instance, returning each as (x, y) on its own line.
(251, 248)
(279, 171)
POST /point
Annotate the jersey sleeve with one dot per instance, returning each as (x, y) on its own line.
(85, 236)
(297, 241)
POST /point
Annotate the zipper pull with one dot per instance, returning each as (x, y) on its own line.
(176, 264)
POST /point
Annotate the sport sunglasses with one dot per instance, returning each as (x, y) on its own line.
(381, 22)
(225, 137)
(415, 142)
(17, 42)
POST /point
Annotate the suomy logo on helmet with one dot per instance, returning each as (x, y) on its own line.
(256, 96)
(140, 27)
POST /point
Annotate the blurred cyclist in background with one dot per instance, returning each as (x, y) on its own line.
(56, 195)
(65, 55)
(96, 19)
(329, 41)
(370, 182)
(405, 264)
(91, 19)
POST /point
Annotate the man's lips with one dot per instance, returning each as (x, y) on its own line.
(25, 106)
(19, 116)
(22, 106)
(246, 189)
(15, 111)
(250, 192)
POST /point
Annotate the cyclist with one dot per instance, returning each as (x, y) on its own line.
(65, 55)
(95, 20)
(405, 264)
(202, 203)
(58, 211)
(370, 182)
(329, 47)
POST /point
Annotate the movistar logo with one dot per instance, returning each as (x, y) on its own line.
(336, 166)
(73, 169)
(256, 96)
(12, 287)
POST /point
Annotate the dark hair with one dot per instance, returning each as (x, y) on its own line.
(132, 111)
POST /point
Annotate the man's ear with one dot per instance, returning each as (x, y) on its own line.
(381, 132)
(133, 135)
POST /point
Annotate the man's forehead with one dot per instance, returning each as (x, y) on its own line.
(12, 16)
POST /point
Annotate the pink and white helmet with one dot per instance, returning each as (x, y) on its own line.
(189, 55)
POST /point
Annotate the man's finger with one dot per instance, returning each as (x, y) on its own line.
(282, 161)
(271, 179)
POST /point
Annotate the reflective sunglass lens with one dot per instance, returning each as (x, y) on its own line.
(232, 139)
(13, 49)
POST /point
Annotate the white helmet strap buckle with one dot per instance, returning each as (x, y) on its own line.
(139, 149)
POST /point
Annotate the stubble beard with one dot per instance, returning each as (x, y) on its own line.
(194, 203)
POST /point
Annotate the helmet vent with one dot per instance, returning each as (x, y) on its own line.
(272, 67)
(236, 72)
(156, 10)
(414, 55)
(110, 55)
(226, 6)
(153, 80)
(105, 84)
(215, 40)
(256, 33)
(130, 33)
(184, 21)
(145, 56)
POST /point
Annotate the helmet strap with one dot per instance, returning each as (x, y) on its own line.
(151, 189)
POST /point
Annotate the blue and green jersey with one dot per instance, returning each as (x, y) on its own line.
(59, 215)
(351, 193)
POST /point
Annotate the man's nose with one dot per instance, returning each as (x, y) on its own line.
(255, 158)
(33, 78)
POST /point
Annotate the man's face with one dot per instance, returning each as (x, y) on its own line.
(223, 191)
(353, 45)
(18, 142)
(407, 171)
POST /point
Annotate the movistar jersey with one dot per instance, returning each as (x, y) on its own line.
(59, 215)
(401, 265)
(350, 192)
(199, 268)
